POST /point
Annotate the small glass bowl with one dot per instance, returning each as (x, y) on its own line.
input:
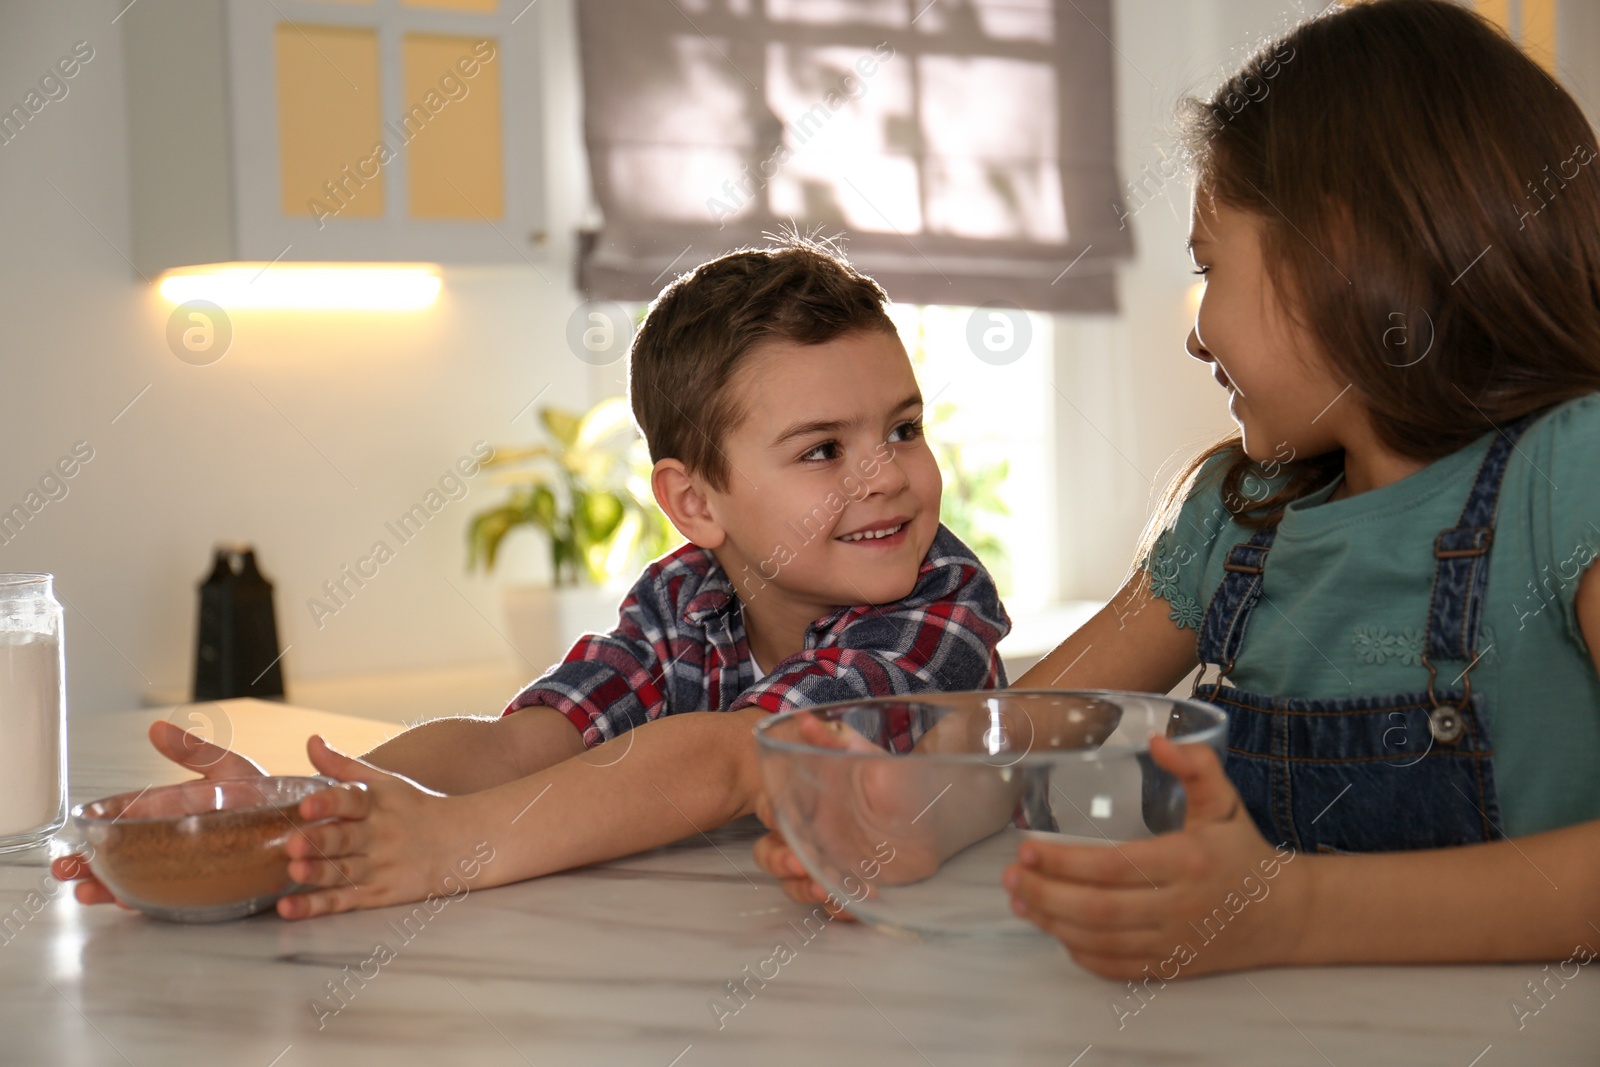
(202, 851)
(907, 810)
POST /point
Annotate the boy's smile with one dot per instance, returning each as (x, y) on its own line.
(832, 496)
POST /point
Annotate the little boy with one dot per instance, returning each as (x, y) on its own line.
(785, 426)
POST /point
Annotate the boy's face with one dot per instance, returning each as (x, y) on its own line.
(828, 454)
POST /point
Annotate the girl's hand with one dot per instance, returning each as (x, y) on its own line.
(389, 841)
(183, 748)
(1213, 896)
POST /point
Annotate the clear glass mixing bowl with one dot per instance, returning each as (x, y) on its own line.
(909, 809)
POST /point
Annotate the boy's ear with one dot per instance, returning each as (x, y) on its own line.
(685, 503)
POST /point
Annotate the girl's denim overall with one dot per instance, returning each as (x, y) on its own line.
(1375, 773)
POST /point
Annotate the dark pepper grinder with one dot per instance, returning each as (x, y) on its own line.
(237, 651)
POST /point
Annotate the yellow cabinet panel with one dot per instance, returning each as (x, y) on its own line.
(1534, 28)
(1539, 32)
(329, 118)
(455, 164)
(335, 131)
(1496, 11)
(486, 6)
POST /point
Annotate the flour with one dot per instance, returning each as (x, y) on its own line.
(31, 703)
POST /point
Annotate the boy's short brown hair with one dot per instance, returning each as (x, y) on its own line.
(703, 325)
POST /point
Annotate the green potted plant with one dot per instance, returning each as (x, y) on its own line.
(972, 498)
(587, 491)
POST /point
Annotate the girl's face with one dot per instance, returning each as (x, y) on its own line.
(1280, 393)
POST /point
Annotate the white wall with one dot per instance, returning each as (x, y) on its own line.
(259, 446)
(1131, 405)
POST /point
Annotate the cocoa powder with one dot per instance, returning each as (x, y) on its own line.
(198, 860)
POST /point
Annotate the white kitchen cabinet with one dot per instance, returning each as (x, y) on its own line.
(334, 130)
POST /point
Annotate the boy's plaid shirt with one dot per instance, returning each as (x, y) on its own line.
(680, 646)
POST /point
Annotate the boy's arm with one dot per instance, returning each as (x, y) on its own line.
(605, 684)
(609, 681)
(394, 843)
(659, 783)
(464, 755)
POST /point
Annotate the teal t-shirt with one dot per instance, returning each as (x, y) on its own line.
(1345, 598)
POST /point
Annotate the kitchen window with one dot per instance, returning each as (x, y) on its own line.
(966, 150)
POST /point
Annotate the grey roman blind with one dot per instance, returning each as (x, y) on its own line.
(964, 148)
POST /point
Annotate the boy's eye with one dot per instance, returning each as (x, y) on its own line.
(1201, 270)
(825, 451)
(907, 431)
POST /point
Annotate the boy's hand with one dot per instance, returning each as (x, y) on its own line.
(778, 859)
(867, 814)
(1157, 903)
(181, 747)
(390, 840)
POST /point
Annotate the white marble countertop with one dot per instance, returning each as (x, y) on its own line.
(621, 964)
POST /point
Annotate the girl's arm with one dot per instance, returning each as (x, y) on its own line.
(1532, 898)
(1536, 897)
(1216, 897)
(1131, 644)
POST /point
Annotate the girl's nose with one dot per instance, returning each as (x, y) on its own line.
(1196, 349)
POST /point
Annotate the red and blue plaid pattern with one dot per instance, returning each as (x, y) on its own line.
(680, 646)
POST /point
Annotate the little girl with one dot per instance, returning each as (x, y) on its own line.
(1384, 574)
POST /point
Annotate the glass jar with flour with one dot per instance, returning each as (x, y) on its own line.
(33, 712)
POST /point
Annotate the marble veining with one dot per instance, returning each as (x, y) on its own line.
(628, 963)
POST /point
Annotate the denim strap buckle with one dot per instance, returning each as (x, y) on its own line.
(1463, 542)
(1227, 616)
(1461, 573)
(1247, 557)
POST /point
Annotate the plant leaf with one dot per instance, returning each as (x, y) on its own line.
(541, 510)
(504, 457)
(600, 514)
(587, 490)
(485, 534)
(562, 424)
(610, 416)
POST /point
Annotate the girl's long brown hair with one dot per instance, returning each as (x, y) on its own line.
(1431, 209)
